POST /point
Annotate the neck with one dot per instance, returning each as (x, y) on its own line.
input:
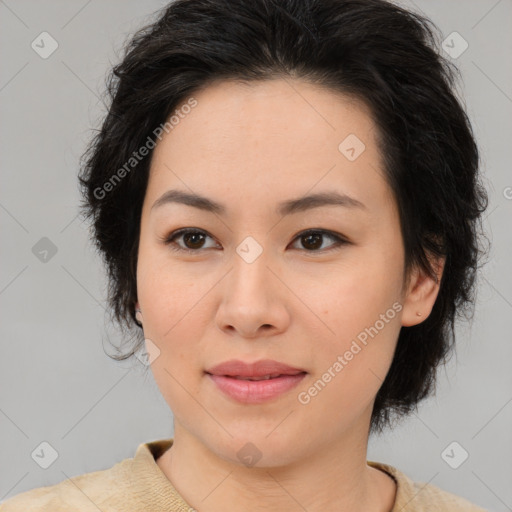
(333, 478)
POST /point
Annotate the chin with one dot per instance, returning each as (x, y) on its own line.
(255, 448)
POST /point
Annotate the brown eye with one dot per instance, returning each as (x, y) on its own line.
(193, 240)
(312, 240)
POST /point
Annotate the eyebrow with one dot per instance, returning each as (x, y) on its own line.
(284, 208)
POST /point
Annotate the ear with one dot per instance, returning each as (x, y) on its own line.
(138, 314)
(421, 293)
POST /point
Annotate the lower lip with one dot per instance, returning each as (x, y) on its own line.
(256, 391)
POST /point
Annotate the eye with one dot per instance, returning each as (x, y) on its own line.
(192, 238)
(312, 240)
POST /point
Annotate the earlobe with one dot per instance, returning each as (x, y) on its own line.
(421, 294)
(138, 313)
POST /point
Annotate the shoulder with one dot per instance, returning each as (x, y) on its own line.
(422, 497)
(99, 490)
(132, 485)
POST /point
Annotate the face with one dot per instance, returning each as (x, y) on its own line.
(315, 285)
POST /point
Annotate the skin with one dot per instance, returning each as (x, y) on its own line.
(249, 147)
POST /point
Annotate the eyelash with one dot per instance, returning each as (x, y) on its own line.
(169, 240)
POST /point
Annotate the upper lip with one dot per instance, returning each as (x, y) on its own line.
(262, 368)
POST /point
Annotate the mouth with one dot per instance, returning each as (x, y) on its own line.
(265, 377)
(254, 383)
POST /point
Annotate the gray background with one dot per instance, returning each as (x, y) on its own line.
(56, 383)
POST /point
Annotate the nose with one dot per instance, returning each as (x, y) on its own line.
(253, 300)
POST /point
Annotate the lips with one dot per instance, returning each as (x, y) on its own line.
(258, 370)
(257, 382)
(266, 377)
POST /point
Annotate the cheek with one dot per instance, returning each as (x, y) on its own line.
(169, 302)
(359, 298)
(350, 370)
(168, 293)
(172, 320)
(362, 310)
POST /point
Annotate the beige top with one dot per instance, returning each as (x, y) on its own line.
(138, 484)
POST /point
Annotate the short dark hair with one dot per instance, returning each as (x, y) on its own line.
(373, 50)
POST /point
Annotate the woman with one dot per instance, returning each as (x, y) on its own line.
(287, 198)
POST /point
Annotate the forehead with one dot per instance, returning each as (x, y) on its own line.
(280, 110)
(270, 138)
